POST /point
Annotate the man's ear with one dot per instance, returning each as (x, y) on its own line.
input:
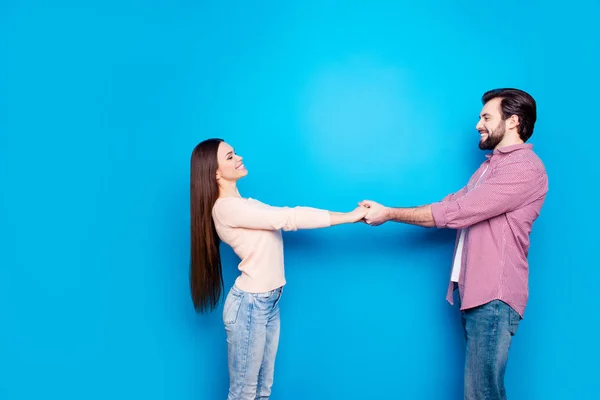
(513, 121)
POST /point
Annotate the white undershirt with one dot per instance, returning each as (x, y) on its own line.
(461, 242)
(458, 258)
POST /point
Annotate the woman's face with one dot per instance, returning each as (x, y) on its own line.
(231, 167)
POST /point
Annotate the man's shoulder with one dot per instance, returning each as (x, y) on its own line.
(525, 159)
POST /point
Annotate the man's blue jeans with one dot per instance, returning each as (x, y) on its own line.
(488, 330)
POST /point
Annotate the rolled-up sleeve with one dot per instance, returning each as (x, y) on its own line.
(510, 187)
(453, 196)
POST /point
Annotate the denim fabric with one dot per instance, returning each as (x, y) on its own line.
(488, 330)
(252, 325)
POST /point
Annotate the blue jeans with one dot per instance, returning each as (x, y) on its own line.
(488, 330)
(252, 326)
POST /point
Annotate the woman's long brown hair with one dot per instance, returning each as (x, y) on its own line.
(206, 278)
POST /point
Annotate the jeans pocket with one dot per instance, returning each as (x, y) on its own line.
(266, 301)
(514, 319)
(280, 292)
(231, 308)
(264, 295)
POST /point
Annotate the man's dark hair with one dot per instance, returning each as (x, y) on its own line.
(515, 102)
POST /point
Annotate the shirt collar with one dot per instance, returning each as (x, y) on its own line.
(510, 149)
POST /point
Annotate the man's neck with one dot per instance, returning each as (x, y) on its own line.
(509, 141)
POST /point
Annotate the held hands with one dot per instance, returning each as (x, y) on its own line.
(358, 214)
(369, 212)
(376, 214)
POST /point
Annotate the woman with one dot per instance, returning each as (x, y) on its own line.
(253, 230)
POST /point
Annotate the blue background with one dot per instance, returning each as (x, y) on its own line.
(102, 102)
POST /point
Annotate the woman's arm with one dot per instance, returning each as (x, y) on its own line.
(243, 213)
(355, 215)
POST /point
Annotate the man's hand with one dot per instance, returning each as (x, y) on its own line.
(377, 214)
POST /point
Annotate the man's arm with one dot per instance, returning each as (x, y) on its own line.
(421, 216)
(378, 214)
(513, 187)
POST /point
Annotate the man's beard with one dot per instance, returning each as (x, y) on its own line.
(494, 138)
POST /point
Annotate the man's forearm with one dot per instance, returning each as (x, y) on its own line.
(421, 216)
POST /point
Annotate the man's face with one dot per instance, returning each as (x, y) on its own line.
(491, 126)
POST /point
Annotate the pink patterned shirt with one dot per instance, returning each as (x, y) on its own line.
(497, 208)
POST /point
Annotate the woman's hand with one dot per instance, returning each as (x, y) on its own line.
(357, 214)
(351, 217)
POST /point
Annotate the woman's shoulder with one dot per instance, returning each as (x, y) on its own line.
(227, 203)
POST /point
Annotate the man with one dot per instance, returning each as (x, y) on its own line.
(494, 214)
